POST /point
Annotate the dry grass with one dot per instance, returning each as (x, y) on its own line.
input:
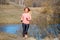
(5, 36)
(10, 14)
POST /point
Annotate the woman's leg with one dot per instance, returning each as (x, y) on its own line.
(26, 28)
(23, 26)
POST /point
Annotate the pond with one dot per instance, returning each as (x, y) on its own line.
(34, 30)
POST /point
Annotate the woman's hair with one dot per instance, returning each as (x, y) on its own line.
(27, 8)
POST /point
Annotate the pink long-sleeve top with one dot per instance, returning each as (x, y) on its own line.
(26, 17)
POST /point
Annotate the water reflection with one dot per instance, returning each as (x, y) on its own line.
(10, 28)
(54, 29)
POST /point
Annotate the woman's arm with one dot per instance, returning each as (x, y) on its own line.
(21, 18)
(29, 17)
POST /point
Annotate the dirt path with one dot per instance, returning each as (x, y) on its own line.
(5, 36)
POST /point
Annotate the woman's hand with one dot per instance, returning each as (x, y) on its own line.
(21, 21)
(27, 19)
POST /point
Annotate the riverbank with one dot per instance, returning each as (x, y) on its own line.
(9, 14)
(6, 36)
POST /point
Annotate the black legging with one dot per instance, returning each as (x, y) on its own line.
(25, 29)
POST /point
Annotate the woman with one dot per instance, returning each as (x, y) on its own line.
(25, 19)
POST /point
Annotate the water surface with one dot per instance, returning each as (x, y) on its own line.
(34, 30)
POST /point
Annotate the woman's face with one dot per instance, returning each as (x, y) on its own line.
(26, 10)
